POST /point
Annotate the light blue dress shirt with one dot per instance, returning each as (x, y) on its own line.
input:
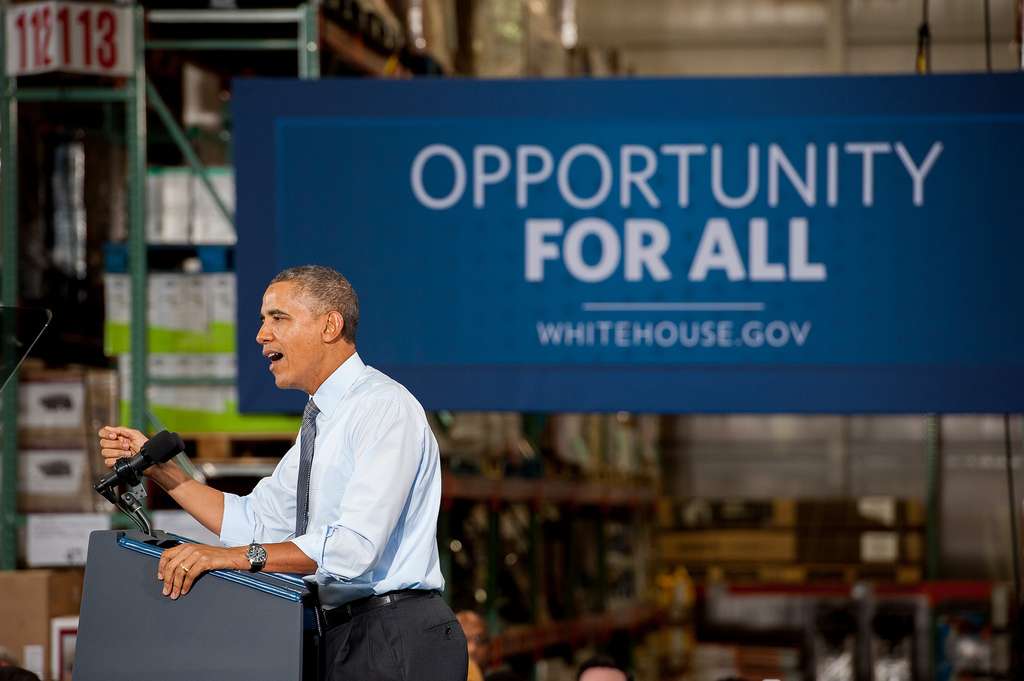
(374, 492)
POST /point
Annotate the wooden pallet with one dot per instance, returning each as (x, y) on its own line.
(738, 573)
(218, 446)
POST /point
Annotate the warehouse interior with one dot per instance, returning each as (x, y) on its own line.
(697, 546)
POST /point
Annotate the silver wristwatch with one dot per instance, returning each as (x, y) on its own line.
(257, 556)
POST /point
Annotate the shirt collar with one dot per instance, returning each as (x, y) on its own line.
(333, 390)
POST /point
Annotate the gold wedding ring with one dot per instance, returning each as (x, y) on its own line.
(184, 569)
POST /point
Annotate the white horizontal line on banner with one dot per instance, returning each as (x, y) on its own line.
(673, 307)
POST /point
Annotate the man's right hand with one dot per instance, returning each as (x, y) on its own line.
(117, 442)
(205, 504)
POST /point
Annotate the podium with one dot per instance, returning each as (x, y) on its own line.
(231, 626)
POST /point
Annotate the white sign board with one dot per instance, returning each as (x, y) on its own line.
(69, 36)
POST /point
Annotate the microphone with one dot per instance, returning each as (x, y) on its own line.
(160, 448)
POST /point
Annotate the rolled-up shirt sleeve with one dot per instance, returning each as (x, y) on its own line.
(267, 514)
(387, 442)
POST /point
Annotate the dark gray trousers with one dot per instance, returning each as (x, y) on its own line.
(415, 639)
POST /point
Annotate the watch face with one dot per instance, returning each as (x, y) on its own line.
(256, 554)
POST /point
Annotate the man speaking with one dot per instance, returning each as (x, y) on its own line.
(354, 501)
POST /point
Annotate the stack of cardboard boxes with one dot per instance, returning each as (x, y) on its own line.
(59, 413)
(180, 209)
(191, 327)
(38, 619)
(795, 541)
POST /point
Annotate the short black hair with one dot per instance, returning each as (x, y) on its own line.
(601, 662)
(17, 674)
(329, 290)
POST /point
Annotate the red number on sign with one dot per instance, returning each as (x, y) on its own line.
(85, 19)
(107, 25)
(65, 32)
(22, 40)
(37, 56)
(47, 28)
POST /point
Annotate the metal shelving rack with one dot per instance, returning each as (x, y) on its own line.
(136, 94)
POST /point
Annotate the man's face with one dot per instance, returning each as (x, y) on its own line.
(290, 334)
(603, 674)
(477, 641)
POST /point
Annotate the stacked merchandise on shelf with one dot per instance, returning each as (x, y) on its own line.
(519, 39)
(779, 578)
(972, 637)
(665, 653)
(548, 534)
(951, 631)
(612, 447)
(180, 210)
(60, 412)
(191, 329)
(431, 30)
(794, 541)
(781, 633)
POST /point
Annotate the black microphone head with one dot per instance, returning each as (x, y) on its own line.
(162, 447)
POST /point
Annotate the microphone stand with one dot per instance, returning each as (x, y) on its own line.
(129, 504)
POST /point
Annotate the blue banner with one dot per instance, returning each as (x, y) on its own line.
(733, 245)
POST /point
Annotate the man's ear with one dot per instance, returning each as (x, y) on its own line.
(333, 325)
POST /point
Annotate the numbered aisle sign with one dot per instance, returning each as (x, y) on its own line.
(69, 36)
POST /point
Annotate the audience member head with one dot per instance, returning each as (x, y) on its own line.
(477, 639)
(16, 674)
(6, 659)
(602, 668)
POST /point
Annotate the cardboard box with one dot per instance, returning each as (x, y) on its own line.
(52, 404)
(54, 480)
(93, 396)
(870, 547)
(863, 514)
(749, 546)
(52, 409)
(725, 513)
(169, 204)
(208, 224)
(60, 539)
(186, 313)
(29, 600)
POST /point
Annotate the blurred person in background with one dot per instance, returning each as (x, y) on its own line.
(602, 668)
(478, 641)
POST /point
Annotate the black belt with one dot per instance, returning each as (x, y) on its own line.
(344, 613)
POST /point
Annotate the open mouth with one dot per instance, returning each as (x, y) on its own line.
(274, 356)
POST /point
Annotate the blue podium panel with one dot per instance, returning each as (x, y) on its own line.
(231, 626)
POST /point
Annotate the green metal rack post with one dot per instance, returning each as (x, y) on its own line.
(9, 294)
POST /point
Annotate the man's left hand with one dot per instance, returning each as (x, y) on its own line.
(181, 565)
